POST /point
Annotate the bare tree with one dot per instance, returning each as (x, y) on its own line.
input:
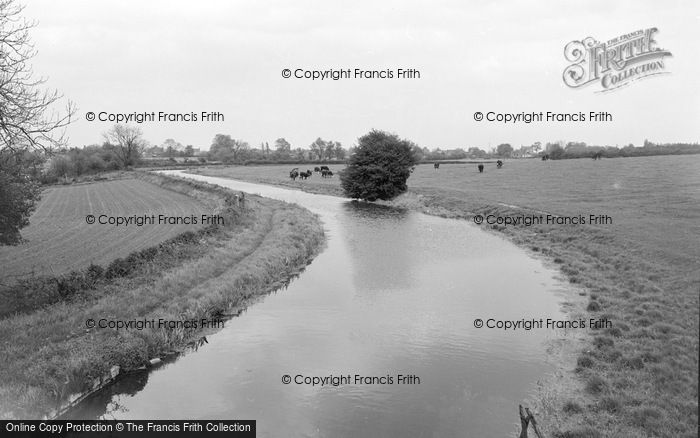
(25, 119)
(26, 122)
(339, 151)
(128, 143)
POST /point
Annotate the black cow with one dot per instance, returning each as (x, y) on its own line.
(326, 173)
(481, 168)
(436, 166)
(545, 157)
(294, 174)
(598, 155)
(304, 175)
(317, 169)
(324, 168)
(499, 164)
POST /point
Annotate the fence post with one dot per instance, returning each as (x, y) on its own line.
(526, 419)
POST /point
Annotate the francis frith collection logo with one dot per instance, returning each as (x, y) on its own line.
(614, 63)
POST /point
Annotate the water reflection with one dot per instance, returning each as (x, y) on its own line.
(394, 292)
(379, 239)
(105, 403)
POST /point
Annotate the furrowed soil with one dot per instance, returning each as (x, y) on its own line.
(58, 238)
(50, 351)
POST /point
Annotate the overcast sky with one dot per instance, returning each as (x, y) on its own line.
(228, 56)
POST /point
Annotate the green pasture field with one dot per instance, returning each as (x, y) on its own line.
(653, 201)
(639, 267)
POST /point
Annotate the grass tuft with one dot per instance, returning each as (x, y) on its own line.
(612, 405)
(643, 269)
(583, 432)
(571, 407)
(593, 306)
(50, 353)
(585, 362)
(596, 385)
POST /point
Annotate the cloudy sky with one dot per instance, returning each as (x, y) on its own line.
(228, 56)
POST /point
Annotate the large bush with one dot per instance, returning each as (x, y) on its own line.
(379, 167)
(18, 197)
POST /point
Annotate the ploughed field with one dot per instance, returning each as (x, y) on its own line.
(58, 238)
(53, 353)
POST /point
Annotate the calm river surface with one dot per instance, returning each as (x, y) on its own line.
(395, 292)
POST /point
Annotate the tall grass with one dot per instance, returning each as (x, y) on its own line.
(49, 352)
(640, 377)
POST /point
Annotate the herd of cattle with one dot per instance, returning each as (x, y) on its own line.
(323, 170)
(327, 173)
(499, 164)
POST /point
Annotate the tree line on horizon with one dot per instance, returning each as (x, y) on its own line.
(559, 150)
(124, 147)
(33, 149)
(228, 150)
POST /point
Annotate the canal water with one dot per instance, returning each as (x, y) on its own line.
(395, 292)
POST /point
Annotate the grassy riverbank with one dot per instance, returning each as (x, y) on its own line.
(638, 377)
(50, 353)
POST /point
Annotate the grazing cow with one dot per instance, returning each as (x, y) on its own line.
(317, 169)
(481, 168)
(294, 174)
(499, 164)
(324, 168)
(545, 157)
(598, 155)
(326, 173)
(436, 166)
